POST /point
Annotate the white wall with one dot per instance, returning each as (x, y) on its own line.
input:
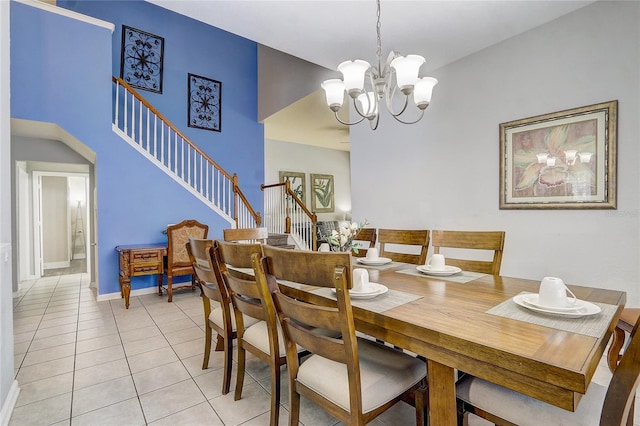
(443, 172)
(8, 386)
(292, 157)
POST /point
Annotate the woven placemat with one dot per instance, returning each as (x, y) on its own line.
(593, 325)
(389, 300)
(460, 277)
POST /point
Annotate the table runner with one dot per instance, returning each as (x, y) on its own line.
(390, 265)
(461, 277)
(593, 326)
(384, 302)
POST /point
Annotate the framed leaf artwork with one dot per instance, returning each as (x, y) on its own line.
(322, 193)
(297, 182)
(561, 160)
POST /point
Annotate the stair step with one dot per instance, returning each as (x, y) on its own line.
(280, 240)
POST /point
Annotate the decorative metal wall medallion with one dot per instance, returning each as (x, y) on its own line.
(204, 103)
(141, 60)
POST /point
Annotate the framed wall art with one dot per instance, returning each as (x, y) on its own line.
(204, 103)
(561, 160)
(297, 181)
(141, 59)
(322, 194)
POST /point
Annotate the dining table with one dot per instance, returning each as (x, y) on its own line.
(469, 323)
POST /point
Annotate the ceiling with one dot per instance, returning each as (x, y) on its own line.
(329, 32)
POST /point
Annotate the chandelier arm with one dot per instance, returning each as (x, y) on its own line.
(389, 96)
(360, 113)
(346, 123)
(374, 123)
(410, 122)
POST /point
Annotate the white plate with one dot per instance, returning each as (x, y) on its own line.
(587, 308)
(375, 289)
(534, 300)
(377, 261)
(448, 270)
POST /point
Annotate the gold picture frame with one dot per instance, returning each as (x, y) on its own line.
(322, 193)
(561, 160)
(298, 184)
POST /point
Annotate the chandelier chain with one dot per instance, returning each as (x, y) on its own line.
(379, 51)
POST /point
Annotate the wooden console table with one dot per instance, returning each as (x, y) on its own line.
(137, 260)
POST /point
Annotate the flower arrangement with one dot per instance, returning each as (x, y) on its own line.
(342, 239)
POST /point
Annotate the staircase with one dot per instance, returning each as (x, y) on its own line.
(156, 138)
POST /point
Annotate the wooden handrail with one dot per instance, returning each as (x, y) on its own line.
(233, 178)
(298, 201)
(171, 125)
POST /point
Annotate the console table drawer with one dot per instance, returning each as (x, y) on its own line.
(148, 269)
(146, 257)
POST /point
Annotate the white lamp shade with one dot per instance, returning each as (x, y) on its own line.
(423, 90)
(353, 73)
(368, 103)
(334, 92)
(407, 69)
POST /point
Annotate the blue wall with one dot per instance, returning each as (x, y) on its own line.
(61, 73)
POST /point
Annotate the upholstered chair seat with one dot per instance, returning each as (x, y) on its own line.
(524, 410)
(217, 318)
(385, 373)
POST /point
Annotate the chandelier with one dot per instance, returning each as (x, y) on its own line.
(368, 85)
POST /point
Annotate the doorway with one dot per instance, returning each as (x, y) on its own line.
(59, 224)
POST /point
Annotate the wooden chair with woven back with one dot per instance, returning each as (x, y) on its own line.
(490, 241)
(247, 235)
(177, 262)
(263, 339)
(604, 406)
(364, 235)
(352, 379)
(419, 238)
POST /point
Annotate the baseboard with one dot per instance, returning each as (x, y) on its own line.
(9, 403)
(56, 265)
(138, 292)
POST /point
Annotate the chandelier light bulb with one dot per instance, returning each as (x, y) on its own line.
(353, 73)
(334, 93)
(369, 104)
(423, 90)
(407, 69)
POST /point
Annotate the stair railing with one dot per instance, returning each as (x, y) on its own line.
(154, 136)
(285, 213)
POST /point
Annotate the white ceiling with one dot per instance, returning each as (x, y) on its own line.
(329, 32)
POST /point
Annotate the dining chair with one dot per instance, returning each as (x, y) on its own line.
(218, 316)
(600, 405)
(471, 240)
(251, 235)
(364, 235)
(177, 262)
(419, 238)
(353, 379)
(262, 339)
(625, 324)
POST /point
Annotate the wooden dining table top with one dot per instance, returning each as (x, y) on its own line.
(449, 326)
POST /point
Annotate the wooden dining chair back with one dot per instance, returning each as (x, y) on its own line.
(177, 262)
(216, 304)
(262, 337)
(419, 238)
(612, 406)
(491, 241)
(250, 235)
(364, 235)
(352, 379)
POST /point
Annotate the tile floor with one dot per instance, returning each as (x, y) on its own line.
(83, 362)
